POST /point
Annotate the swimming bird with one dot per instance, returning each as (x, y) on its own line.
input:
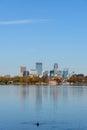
(37, 124)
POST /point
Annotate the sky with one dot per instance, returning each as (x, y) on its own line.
(48, 31)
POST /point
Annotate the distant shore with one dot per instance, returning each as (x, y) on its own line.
(45, 80)
(45, 84)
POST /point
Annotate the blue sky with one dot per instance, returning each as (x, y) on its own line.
(43, 30)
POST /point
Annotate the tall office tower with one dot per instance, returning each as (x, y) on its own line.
(22, 70)
(39, 68)
(55, 68)
(65, 73)
(51, 73)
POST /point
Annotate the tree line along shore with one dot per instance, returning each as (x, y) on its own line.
(35, 80)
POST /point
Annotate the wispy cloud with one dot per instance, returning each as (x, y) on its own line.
(26, 21)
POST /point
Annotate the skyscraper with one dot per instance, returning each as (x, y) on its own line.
(65, 73)
(55, 68)
(39, 68)
(22, 70)
(51, 73)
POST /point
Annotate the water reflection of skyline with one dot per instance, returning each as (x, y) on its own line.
(40, 94)
(65, 105)
(24, 92)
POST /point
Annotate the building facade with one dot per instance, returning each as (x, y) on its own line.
(33, 72)
(65, 73)
(60, 73)
(52, 73)
(55, 68)
(26, 73)
(46, 73)
(39, 68)
(22, 70)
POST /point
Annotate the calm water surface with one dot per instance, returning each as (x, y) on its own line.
(55, 108)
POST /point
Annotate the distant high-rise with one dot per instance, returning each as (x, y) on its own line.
(26, 73)
(22, 70)
(55, 68)
(65, 73)
(39, 68)
(60, 73)
(51, 73)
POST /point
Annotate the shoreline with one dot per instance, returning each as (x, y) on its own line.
(45, 84)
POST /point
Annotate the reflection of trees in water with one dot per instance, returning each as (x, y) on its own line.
(38, 96)
(24, 92)
(77, 91)
(41, 94)
(65, 92)
(54, 93)
(46, 94)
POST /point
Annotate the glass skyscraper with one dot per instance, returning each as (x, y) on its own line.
(52, 73)
(55, 68)
(65, 73)
(39, 68)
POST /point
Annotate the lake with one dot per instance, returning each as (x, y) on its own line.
(53, 107)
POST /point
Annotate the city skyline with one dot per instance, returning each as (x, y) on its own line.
(41, 71)
(46, 31)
